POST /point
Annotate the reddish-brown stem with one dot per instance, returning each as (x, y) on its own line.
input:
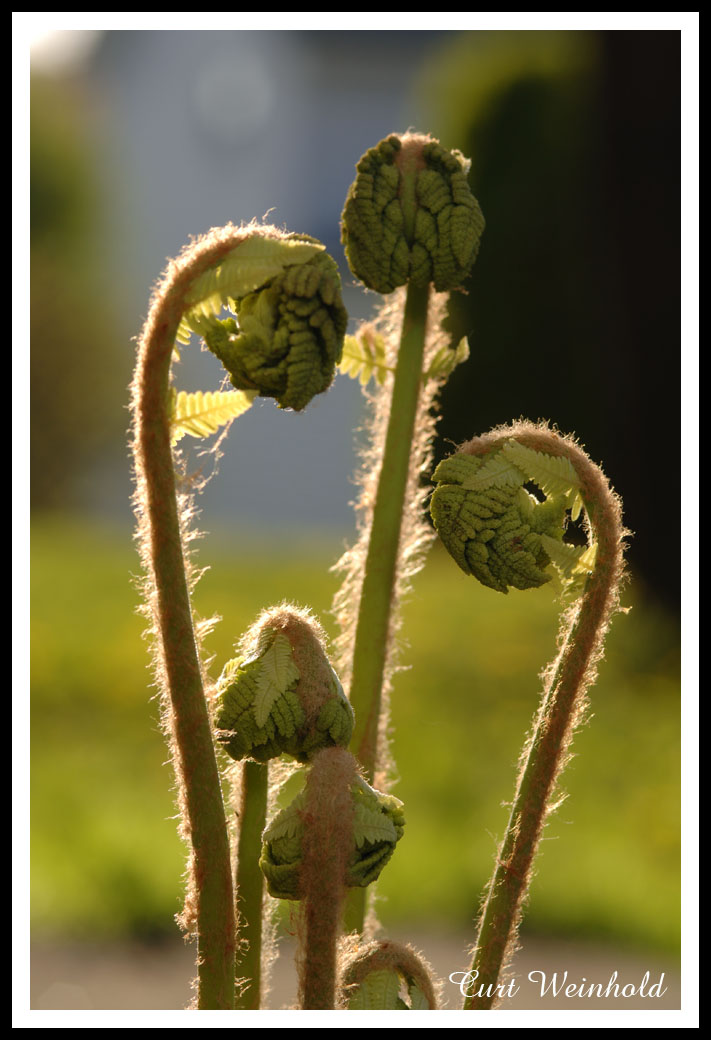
(209, 903)
(563, 700)
(327, 846)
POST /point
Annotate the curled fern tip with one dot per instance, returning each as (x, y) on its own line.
(410, 216)
(286, 337)
(281, 695)
(498, 531)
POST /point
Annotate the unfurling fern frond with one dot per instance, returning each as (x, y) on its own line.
(570, 565)
(284, 335)
(554, 475)
(497, 531)
(410, 217)
(364, 357)
(281, 695)
(283, 341)
(380, 990)
(202, 414)
(385, 975)
(250, 265)
(378, 824)
(446, 360)
(507, 537)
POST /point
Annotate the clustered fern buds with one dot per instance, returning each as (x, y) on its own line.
(377, 825)
(497, 531)
(281, 695)
(410, 216)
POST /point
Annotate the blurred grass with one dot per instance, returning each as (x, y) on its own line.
(105, 856)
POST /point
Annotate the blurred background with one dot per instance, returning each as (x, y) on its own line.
(140, 139)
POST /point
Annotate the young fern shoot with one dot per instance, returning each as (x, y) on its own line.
(281, 696)
(285, 291)
(504, 536)
(411, 230)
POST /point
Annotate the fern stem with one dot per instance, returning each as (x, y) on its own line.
(160, 526)
(563, 702)
(327, 845)
(249, 883)
(373, 625)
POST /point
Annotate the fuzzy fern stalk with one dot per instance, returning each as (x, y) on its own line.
(506, 537)
(249, 885)
(284, 341)
(326, 849)
(411, 230)
(385, 975)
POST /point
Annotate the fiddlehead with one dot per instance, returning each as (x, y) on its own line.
(476, 529)
(378, 975)
(281, 695)
(378, 823)
(288, 335)
(499, 532)
(224, 266)
(410, 216)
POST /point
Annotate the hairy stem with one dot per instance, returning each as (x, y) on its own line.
(249, 883)
(372, 633)
(327, 844)
(563, 702)
(373, 622)
(385, 955)
(210, 894)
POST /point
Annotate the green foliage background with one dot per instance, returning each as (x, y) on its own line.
(79, 366)
(106, 859)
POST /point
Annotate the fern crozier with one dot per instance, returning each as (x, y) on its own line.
(281, 695)
(378, 824)
(287, 335)
(501, 534)
(410, 216)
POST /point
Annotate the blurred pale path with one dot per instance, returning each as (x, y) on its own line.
(134, 977)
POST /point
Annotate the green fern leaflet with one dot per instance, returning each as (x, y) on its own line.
(364, 357)
(202, 414)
